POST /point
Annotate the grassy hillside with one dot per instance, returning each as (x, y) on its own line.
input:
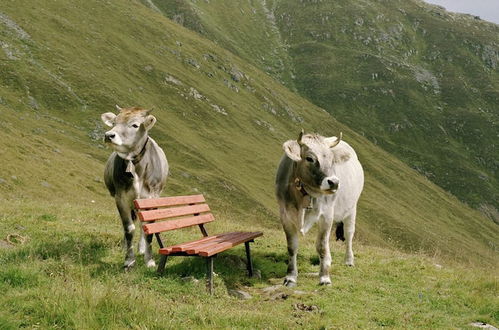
(64, 63)
(222, 137)
(421, 83)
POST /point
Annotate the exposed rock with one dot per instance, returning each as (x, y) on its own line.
(46, 184)
(483, 325)
(271, 288)
(280, 296)
(219, 109)
(240, 294)
(236, 75)
(33, 103)
(172, 80)
(16, 29)
(2, 181)
(305, 308)
(190, 279)
(195, 94)
(265, 124)
(299, 292)
(9, 51)
(427, 79)
(193, 62)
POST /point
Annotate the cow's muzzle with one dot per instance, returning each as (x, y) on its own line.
(109, 136)
(330, 185)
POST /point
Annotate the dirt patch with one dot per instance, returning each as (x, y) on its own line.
(5, 245)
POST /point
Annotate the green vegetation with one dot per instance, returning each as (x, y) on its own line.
(221, 122)
(420, 82)
(68, 275)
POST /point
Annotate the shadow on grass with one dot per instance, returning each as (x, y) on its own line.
(230, 266)
(92, 252)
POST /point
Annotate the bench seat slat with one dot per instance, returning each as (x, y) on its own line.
(211, 245)
(152, 215)
(184, 246)
(227, 245)
(195, 249)
(153, 228)
(149, 203)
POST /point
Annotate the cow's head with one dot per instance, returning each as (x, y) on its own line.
(316, 158)
(129, 128)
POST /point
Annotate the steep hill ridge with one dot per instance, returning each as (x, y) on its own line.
(420, 82)
(220, 120)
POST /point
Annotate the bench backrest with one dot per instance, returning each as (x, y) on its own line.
(177, 212)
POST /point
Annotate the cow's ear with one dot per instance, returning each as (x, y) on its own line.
(341, 154)
(149, 122)
(108, 118)
(292, 150)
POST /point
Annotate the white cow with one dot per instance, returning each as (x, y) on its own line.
(136, 169)
(319, 180)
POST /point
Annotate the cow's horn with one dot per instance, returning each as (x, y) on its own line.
(300, 136)
(338, 139)
(118, 107)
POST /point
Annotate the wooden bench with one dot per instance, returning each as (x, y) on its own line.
(186, 211)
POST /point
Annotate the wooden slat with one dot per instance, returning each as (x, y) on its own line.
(172, 212)
(158, 227)
(227, 245)
(149, 203)
(183, 246)
(195, 249)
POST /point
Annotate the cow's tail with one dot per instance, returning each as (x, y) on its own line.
(340, 234)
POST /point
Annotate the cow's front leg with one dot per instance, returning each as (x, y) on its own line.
(322, 246)
(128, 227)
(146, 240)
(145, 248)
(289, 225)
(349, 232)
(292, 273)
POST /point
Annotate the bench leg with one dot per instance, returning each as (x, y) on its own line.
(209, 273)
(162, 264)
(248, 256)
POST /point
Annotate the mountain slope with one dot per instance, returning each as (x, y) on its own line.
(65, 63)
(420, 82)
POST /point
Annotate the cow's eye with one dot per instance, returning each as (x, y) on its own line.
(309, 159)
(135, 126)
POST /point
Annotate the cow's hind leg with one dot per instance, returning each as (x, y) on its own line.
(349, 224)
(126, 218)
(323, 250)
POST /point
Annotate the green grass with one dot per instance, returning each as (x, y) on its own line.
(55, 150)
(64, 269)
(68, 275)
(419, 82)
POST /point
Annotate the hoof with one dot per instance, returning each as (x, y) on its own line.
(325, 280)
(128, 265)
(349, 263)
(289, 282)
(150, 264)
